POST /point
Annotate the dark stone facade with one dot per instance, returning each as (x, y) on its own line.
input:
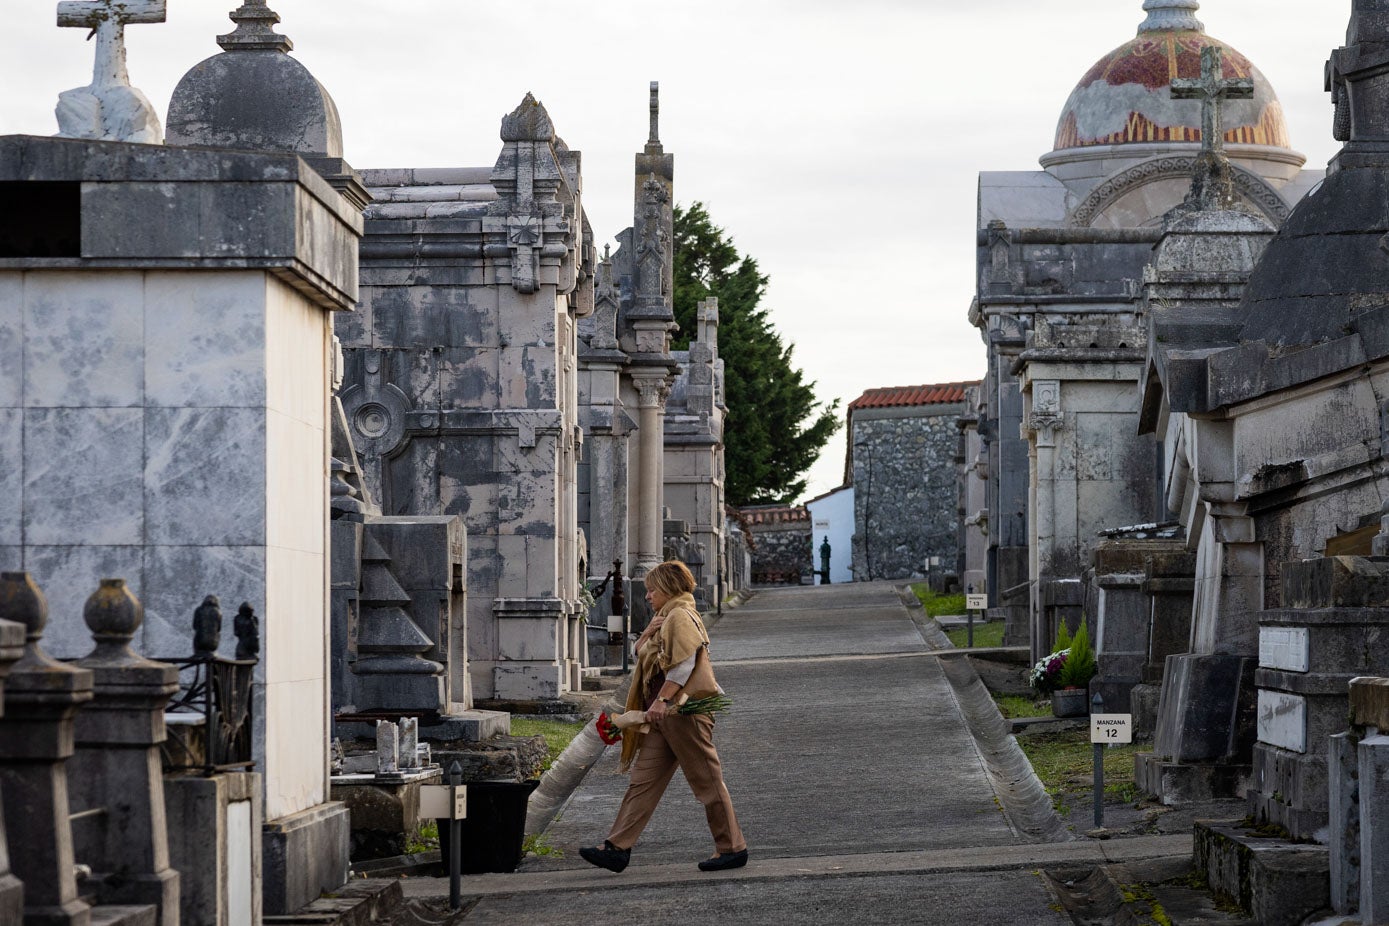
(781, 543)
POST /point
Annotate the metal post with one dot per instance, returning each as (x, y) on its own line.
(969, 620)
(1097, 707)
(455, 845)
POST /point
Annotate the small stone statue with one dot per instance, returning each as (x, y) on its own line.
(207, 627)
(246, 626)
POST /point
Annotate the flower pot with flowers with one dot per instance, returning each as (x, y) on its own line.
(1065, 674)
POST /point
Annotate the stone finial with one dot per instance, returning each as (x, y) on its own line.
(109, 109)
(655, 137)
(113, 614)
(255, 29)
(22, 601)
(1171, 16)
(1356, 76)
(246, 626)
(207, 627)
(528, 122)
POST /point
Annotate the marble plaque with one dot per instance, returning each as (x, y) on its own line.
(1283, 720)
(1285, 648)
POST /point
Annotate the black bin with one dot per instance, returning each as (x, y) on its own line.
(495, 828)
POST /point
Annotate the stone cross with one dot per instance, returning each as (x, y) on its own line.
(110, 108)
(107, 19)
(1212, 89)
(655, 138)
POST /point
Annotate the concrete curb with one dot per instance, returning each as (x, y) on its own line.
(989, 858)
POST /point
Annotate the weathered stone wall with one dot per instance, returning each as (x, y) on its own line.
(781, 544)
(905, 498)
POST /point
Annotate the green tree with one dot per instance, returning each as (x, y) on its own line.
(775, 428)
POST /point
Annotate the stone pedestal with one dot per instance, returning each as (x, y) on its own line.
(215, 843)
(42, 697)
(116, 768)
(11, 890)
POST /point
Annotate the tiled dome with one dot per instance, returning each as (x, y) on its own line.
(1125, 98)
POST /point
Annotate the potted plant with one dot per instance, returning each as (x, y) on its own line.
(1065, 674)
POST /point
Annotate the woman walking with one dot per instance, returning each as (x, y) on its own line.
(672, 658)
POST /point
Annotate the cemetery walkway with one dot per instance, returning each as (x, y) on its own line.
(856, 780)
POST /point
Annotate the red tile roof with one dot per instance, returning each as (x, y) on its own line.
(775, 514)
(894, 396)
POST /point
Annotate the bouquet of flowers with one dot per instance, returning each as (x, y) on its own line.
(610, 728)
(1046, 674)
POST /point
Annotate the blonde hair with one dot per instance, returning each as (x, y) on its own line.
(671, 578)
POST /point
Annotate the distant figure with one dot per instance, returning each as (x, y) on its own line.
(207, 627)
(672, 654)
(246, 626)
(825, 561)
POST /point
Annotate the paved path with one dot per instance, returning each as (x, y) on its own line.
(856, 780)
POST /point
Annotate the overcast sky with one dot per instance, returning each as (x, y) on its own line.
(838, 141)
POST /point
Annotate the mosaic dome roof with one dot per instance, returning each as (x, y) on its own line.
(1125, 98)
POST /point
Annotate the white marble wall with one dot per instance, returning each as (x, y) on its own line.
(168, 428)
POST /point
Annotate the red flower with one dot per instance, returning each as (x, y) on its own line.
(607, 730)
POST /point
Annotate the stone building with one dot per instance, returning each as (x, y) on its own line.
(832, 524)
(461, 386)
(901, 462)
(779, 536)
(1061, 253)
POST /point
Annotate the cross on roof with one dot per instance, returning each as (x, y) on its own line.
(1212, 89)
(107, 20)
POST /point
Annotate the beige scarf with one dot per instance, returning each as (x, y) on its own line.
(675, 641)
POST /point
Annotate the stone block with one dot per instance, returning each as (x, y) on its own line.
(11, 474)
(215, 844)
(11, 339)
(1175, 784)
(513, 680)
(83, 476)
(384, 817)
(1336, 582)
(1343, 829)
(1369, 702)
(1290, 789)
(1276, 882)
(205, 339)
(205, 479)
(1373, 761)
(1209, 709)
(83, 339)
(305, 855)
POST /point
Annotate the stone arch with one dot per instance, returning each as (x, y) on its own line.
(1251, 187)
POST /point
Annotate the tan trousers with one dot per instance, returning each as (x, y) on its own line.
(689, 743)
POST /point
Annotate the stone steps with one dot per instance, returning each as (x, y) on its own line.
(1140, 894)
(121, 915)
(1278, 882)
(365, 902)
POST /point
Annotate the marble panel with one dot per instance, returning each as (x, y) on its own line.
(295, 746)
(1283, 720)
(298, 338)
(1284, 648)
(204, 478)
(68, 575)
(11, 475)
(11, 338)
(205, 339)
(11, 559)
(296, 472)
(176, 581)
(82, 482)
(294, 627)
(84, 339)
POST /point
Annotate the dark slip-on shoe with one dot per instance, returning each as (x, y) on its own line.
(609, 856)
(725, 862)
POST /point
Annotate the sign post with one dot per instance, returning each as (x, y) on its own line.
(1105, 730)
(974, 602)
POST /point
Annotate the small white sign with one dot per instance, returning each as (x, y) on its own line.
(976, 602)
(1111, 728)
(444, 802)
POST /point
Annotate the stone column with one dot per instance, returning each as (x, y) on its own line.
(36, 740)
(1044, 420)
(11, 891)
(651, 450)
(117, 766)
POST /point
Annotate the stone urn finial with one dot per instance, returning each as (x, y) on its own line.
(113, 614)
(255, 29)
(22, 601)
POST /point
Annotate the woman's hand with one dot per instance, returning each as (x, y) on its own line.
(657, 711)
